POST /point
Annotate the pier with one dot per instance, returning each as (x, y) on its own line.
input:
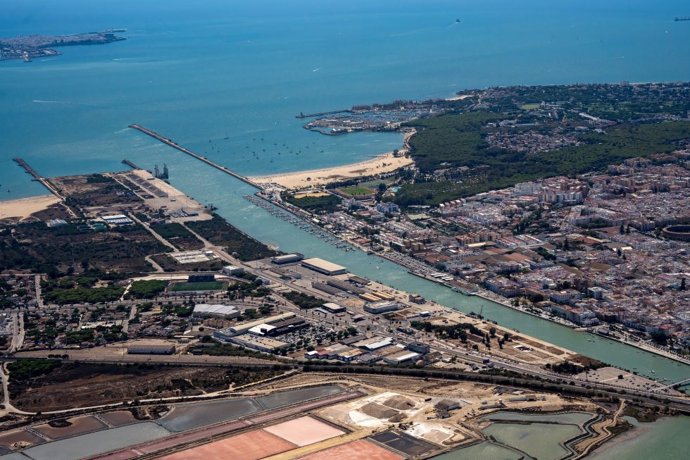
(130, 164)
(203, 159)
(46, 183)
(321, 114)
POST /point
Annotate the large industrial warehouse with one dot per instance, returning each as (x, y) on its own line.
(324, 266)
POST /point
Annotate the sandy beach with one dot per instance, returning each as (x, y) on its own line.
(380, 164)
(460, 97)
(24, 207)
(317, 177)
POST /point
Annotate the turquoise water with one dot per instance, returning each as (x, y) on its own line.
(482, 450)
(538, 440)
(208, 70)
(665, 439)
(571, 418)
(242, 70)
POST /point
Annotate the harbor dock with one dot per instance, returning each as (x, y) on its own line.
(203, 159)
(46, 183)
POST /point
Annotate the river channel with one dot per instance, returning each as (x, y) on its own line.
(214, 187)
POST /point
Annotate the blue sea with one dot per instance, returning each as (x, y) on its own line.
(226, 78)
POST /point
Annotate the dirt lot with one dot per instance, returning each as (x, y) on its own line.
(95, 190)
(76, 385)
(170, 265)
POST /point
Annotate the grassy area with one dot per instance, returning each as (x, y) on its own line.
(315, 203)
(221, 233)
(457, 140)
(200, 286)
(357, 190)
(146, 289)
(24, 369)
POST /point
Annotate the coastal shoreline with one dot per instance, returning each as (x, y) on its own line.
(380, 164)
(23, 208)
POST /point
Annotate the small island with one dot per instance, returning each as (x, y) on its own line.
(29, 47)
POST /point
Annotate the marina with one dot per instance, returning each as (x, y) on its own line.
(289, 216)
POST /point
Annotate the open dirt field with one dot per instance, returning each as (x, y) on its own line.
(78, 425)
(18, 438)
(86, 385)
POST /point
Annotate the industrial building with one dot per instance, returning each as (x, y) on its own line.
(402, 357)
(117, 220)
(359, 280)
(384, 306)
(333, 307)
(324, 266)
(279, 327)
(374, 343)
(232, 331)
(287, 258)
(258, 343)
(418, 347)
(203, 310)
(345, 286)
(232, 270)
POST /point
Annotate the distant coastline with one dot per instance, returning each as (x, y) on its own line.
(28, 47)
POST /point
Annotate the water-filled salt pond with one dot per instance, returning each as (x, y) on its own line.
(514, 435)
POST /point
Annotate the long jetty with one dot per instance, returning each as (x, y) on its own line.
(46, 183)
(130, 164)
(321, 114)
(203, 159)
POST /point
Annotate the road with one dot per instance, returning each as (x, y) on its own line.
(154, 234)
(7, 406)
(18, 331)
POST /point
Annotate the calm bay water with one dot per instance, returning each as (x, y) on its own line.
(226, 78)
(216, 69)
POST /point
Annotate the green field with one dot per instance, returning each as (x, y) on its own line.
(315, 203)
(146, 289)
(202, 286)
(357, 190)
